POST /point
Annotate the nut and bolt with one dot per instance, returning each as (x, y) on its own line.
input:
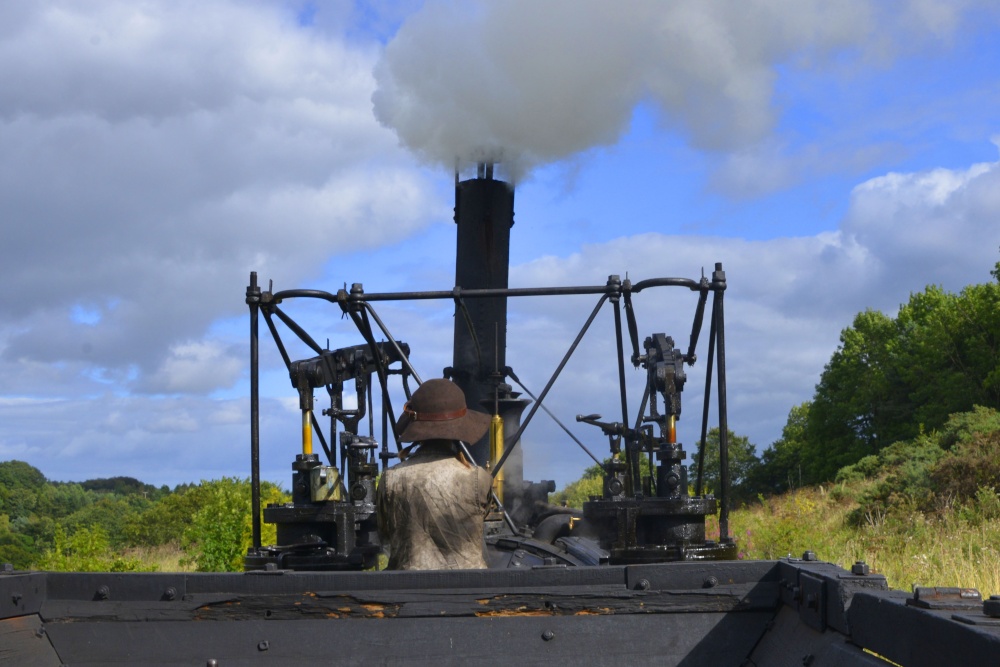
(860, 568)
(991, 607)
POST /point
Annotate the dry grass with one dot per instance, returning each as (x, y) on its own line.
(166, 558)
(958, 547)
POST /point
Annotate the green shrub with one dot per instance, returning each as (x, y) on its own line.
(971, 465)
(221, 529)
(87, 550)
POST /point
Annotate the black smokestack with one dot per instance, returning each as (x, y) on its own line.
(484, 214)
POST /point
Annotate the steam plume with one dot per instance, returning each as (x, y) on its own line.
(528, 82)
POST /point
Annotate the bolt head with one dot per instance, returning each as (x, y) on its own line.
(991, 607)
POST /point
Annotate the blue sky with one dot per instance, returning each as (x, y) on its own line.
(834, 157)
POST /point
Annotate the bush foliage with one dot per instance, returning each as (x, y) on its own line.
(100, 525)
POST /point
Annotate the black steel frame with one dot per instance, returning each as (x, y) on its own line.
(357, 305)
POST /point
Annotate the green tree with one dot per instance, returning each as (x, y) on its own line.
(893, 378)
(575, 494)
(19, 487)
(20, 475)
(166, 520)
(743, 462)
(781, 464)
(15, 548)
(860, 404)
(112, 513)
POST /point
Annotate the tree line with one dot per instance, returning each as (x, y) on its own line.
(102, 524)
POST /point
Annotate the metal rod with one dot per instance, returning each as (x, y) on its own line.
(699, 315)
(632, 456)
(318, 430)
(621, 361)
(458, 292)
(277, 339)
(253, 300)
(692, 285)
(365, 329)
(299, 331)
(720, 277)
(395, 345)
(633, 330)
(548, 386)
(706, 404)
(510, 373)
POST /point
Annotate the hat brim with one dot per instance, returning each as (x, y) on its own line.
(470, 428)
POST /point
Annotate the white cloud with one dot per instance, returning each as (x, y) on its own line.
(153, 154)
(196, 367)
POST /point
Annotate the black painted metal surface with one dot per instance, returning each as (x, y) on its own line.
(790, 612)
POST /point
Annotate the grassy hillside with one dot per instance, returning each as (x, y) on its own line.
(958, 545)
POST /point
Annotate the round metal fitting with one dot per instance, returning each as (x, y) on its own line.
(711, 581)
(548, 635)
(642, 585)
(170, 594)
(263, 646)
(103, 593)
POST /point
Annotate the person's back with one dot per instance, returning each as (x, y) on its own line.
(431, 510)
(432, 504)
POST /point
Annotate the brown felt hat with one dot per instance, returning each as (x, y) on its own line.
(437, 411)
